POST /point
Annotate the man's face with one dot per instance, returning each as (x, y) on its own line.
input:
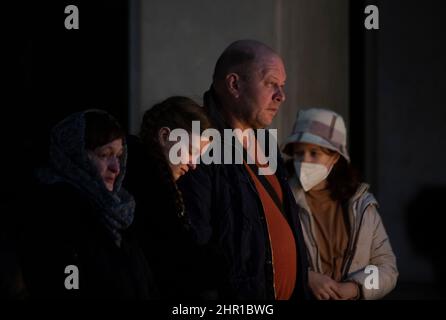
(262, 92)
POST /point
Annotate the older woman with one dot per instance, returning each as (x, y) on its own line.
(77, 244)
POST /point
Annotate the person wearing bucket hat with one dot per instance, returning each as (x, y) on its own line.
(343, 230)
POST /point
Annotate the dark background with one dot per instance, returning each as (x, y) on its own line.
(398, 132)
(397, 110)
(59, 71)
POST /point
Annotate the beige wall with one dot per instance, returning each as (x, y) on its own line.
(180, 42)
(314, 44)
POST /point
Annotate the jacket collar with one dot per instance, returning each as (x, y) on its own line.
(360, 200)
(213, 106)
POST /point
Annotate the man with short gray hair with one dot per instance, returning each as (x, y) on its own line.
(244, 223)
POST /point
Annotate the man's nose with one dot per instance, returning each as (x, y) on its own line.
(279, 95)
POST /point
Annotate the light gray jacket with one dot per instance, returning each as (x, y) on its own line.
(368, 243)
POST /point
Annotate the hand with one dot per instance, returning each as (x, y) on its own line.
(323, 287)
(348, 290)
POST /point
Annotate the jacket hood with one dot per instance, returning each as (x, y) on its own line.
(68, 155)
(69, 163)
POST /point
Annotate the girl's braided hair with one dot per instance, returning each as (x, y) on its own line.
(174, 112)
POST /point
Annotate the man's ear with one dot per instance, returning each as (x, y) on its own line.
(233, 84)
(163, 136)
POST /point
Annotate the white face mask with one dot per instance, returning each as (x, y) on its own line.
(310, 174)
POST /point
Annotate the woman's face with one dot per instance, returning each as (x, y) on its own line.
(107, 159)
(188, 162)
(311, 153)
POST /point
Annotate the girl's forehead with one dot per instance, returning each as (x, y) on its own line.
(305, 145)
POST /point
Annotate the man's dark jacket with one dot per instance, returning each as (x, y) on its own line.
(227, 222)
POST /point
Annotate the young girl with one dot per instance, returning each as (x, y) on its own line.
(342, 228)
(152, 176)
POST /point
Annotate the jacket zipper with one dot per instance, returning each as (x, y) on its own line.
(352, 249)
(355, 234)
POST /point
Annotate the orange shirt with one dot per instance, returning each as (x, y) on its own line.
(283, 246)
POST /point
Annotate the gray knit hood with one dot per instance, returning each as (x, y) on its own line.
(69, 163)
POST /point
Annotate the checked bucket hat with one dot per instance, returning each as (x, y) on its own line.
(321, 127)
